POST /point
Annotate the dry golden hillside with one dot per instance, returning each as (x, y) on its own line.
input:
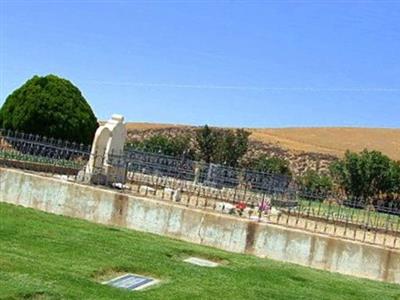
(333, 140)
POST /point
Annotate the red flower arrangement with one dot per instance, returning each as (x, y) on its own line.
(241, 206)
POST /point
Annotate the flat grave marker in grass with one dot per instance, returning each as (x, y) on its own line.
(131, 282)
(201, 262)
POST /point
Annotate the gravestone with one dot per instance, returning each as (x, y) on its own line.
(201, 262)
(212, 175)
(131, 282)
(197, 174)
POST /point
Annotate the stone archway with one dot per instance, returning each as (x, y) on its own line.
(108, 145)
(98, 153)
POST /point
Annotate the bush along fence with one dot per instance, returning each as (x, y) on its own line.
(260, 196)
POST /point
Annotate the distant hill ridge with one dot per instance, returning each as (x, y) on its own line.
(305, 148)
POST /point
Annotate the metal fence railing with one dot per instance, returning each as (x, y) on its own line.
(31, 148)
(261, 196)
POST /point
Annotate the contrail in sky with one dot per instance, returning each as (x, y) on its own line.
(243, 87)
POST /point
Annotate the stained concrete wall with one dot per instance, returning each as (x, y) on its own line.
(199, 226)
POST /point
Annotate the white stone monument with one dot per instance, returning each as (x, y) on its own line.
(104, 164)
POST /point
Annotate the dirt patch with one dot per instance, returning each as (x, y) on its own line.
(109, 273)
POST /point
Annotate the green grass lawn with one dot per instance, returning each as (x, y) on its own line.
(350, 214)
(44, 256)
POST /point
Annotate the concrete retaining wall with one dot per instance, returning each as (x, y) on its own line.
(198, 226)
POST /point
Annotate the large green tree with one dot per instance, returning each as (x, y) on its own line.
(231, 146)
(50, 106)
(366, 175)
(222, 146)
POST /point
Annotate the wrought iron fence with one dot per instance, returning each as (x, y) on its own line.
(261, 196)
(19, 146)
(214, 175)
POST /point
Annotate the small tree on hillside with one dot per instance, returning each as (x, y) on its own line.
(231, 146)
(240, 146)
(207, 141)
(222, 146)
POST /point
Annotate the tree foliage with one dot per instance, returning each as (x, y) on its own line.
(174, 146)
(314, 182)
(222, 146)
(206, 141)
(49, 106)
(395, 178)
(366, 175)
(273, 165)
(231, 146)
(211, 145)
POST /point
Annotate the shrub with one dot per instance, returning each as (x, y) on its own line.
(266, 164)
(174, 146)
(315, 183)
(49, 106)
(395, 176)
(366, 175)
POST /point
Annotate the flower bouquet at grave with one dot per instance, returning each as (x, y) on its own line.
(240, 207)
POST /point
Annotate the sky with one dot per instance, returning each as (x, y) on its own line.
(225, 63)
